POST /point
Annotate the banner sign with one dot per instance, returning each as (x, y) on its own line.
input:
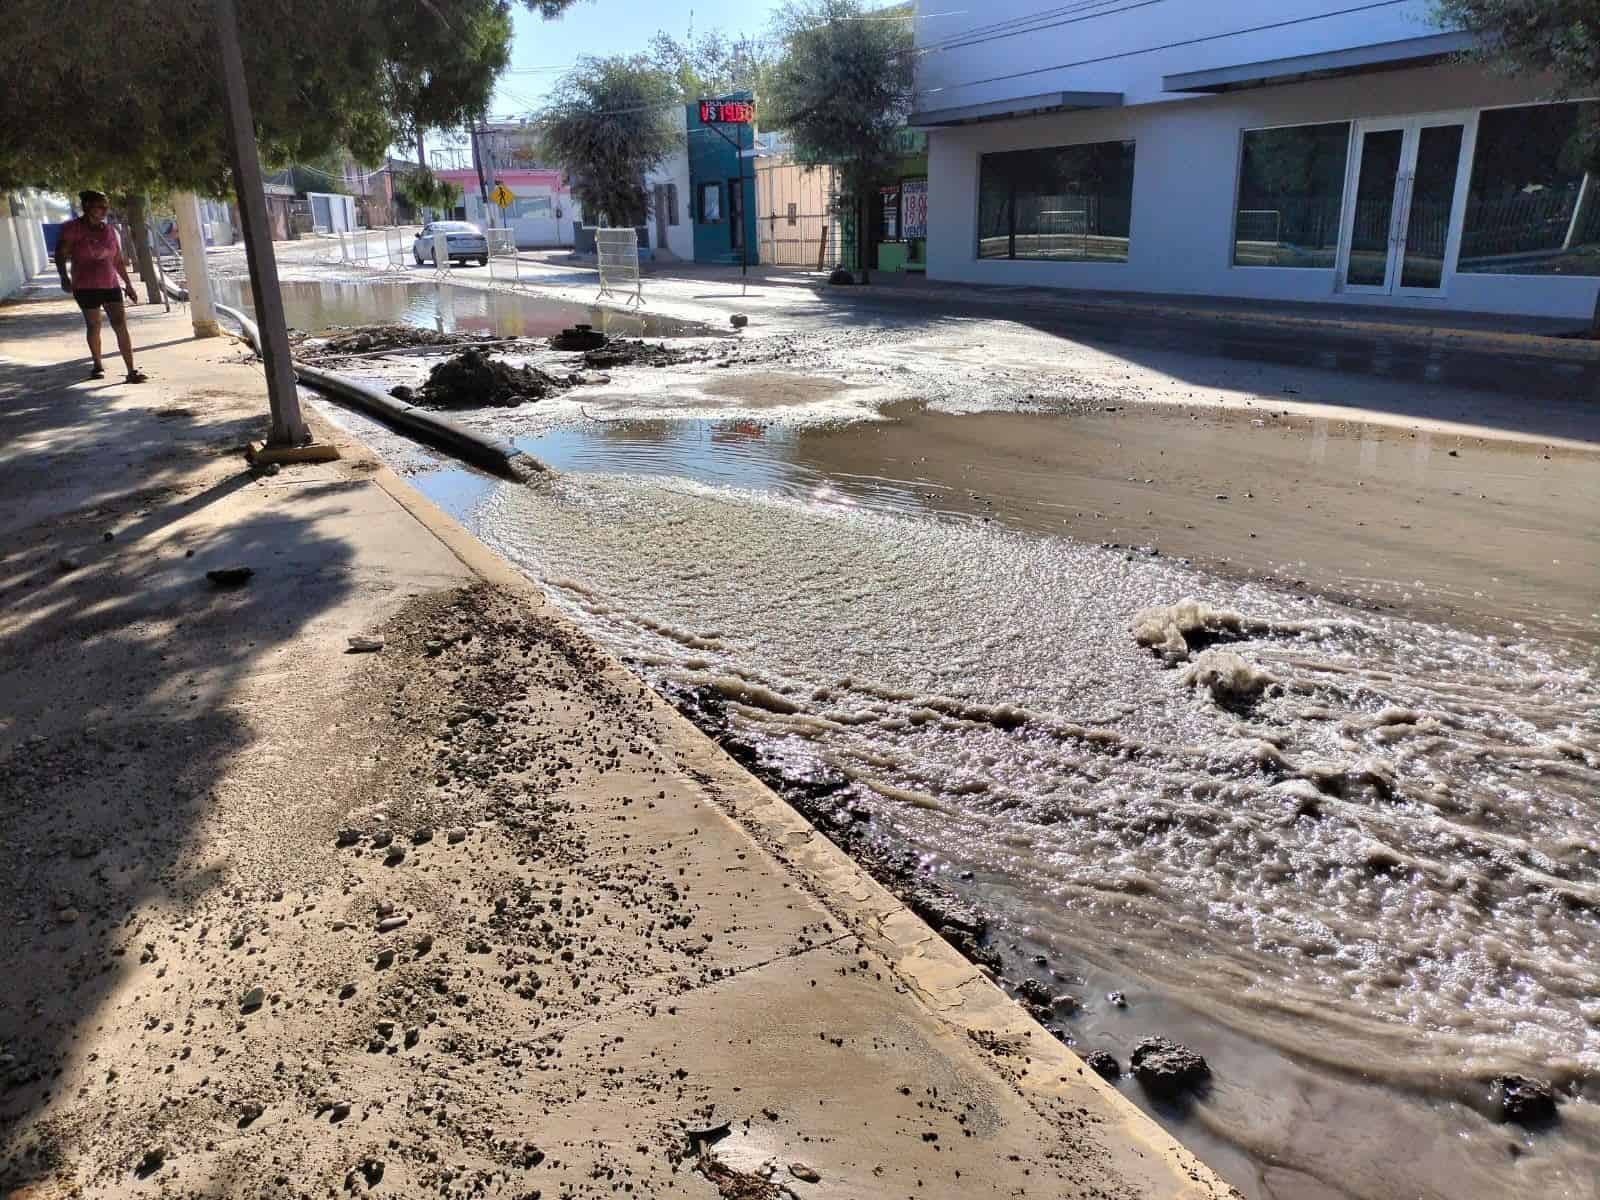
(727, 112)
(891, 212)
(914, 208)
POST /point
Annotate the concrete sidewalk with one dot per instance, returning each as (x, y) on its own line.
(474, 914)
(1540, 336)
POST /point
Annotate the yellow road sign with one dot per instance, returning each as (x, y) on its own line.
(502, 195)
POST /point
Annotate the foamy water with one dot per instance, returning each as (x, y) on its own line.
(1363, 848)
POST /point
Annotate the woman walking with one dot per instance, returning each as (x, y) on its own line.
(89, 246)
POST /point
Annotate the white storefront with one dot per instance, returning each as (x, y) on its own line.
(1280, 149)
(670, 233)
(541, 213)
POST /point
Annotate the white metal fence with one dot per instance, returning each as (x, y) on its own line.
(617, 252)
(504, 265)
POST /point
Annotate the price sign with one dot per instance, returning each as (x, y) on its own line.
(727, 112)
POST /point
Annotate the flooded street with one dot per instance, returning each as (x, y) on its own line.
(1333, 824)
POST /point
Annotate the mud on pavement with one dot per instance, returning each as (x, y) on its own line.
(483, 950)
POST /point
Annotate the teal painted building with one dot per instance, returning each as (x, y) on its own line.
(722, 184)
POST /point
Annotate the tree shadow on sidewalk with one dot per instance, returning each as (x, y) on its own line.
(123, 719)
(135, 697)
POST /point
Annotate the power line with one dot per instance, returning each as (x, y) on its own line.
(1026, 22)
(1211, 37)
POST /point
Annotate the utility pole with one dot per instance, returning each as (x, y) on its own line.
(477, 163)
(288, 426)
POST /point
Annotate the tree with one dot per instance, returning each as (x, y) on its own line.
(609, 124)
(713, 64)
(1558, 38)
(141, 111)
(841, 87)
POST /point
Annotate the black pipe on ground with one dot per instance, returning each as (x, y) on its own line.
(495, 455)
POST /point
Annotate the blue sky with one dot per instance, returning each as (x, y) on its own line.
(605, 27)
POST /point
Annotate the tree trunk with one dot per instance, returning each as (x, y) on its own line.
(422, 158)
(137, 229)
(863, 210)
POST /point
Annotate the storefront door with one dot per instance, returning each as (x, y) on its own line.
(1407, 189)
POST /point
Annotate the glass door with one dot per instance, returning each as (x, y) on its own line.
(1435, 195)
(1403, 223)
(1370, 233)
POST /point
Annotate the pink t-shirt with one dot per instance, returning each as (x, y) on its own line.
(92, 252)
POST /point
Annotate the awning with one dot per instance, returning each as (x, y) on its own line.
(1022, 106)
(1384, 56)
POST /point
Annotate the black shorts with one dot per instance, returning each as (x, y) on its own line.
(90, 299)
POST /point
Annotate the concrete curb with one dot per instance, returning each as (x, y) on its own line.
(952, 990)
(492, 454)
(1537, 345)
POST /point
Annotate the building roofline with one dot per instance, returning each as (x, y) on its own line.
(1021, 106)
(1409, 52)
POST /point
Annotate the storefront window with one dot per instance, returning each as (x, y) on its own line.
(710, 202)
(1531, 209)
(531, 207)
(1064, 203)
(1291, 183)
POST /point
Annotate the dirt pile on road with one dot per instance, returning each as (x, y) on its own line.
(472, 379)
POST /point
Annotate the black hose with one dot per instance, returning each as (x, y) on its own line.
(492, 454)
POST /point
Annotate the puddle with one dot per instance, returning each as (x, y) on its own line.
(318, 306)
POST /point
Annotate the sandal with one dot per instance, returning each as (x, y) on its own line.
(137, 376)
(97, 372)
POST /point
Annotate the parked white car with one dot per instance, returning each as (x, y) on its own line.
(464, 240)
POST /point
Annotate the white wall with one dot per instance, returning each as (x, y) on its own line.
(341, 211)
(1119, 49)
(22, 250)
(531, 231)
(1186, 163)
(674, 170)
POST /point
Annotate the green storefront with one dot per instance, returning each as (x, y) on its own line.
(897, 231)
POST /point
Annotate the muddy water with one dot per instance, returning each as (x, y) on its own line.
(1462, 528)
(314, 306)
(1360, 892)
(1360, 895)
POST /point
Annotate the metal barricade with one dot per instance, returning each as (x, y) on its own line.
(394, 250)
(503, 251)
(617, 251)
(441, 254)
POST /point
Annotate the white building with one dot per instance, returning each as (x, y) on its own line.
(1309, 150)
(542, 211)
(670, 231)
(333, 212)
(22, 245)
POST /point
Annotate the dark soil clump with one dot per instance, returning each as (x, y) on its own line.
(472, 379)
(1522, 1100)
(1168, 1069)
(388, 337)
(1104, 1064)
(623, 352)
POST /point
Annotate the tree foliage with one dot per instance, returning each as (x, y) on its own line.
(421, 188)
(610, 122)
(713, 64)
(127, 94)
(842, 85)
(1559, 38)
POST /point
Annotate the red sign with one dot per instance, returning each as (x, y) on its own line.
(727, 112)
